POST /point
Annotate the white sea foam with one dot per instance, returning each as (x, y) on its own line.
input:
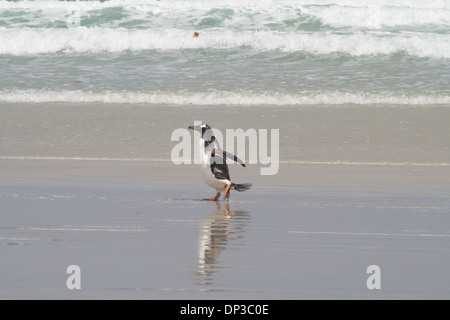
(306, 162)
(318, 27)
(229, 15)
(207, 5)
(223, 97)
(375, 16)
(433, 12)
(97, 40)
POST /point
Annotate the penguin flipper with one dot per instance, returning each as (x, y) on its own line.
(220, 168)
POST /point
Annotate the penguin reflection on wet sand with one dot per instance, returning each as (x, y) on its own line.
(218, 231)
(214, 165)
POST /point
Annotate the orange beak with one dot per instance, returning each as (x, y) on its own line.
(192, 128)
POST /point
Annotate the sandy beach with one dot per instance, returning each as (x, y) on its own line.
(138, 230)
(342, 109)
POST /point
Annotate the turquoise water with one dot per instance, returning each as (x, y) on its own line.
(247, 53)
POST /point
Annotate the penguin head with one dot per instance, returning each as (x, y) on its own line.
(204, 129)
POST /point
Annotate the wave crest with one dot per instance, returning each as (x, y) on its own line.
(223, 98)
(100, 40)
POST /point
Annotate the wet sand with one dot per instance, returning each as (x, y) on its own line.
(139, 230)
(350, 133)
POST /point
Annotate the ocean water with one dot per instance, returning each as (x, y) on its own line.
(305, 52)
(344, 81)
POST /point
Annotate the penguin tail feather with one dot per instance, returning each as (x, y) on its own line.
(241, 187)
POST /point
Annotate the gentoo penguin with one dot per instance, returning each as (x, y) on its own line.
(214, 165)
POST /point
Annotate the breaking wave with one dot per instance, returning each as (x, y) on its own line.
(412, 27)
(223, 98)
(96, 40)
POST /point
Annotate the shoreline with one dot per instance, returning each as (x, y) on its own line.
(290, 173)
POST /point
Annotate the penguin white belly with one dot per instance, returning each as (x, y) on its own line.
(208, 176)
(212, 181)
